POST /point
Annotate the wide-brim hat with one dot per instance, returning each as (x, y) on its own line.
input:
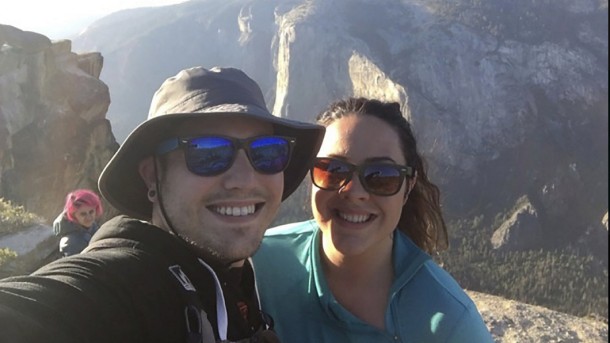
(197, 94)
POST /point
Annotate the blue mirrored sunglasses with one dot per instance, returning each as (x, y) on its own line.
(213, 155)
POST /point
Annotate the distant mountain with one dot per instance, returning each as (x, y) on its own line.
(509, 99)
(70, 29)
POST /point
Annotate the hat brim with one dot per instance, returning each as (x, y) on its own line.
(120, 182)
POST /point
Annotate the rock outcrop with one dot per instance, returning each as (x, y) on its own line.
(506, 101)
(521, 231)
(515, 322)
(54, 135)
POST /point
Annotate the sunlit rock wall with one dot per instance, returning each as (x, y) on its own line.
(54, 135)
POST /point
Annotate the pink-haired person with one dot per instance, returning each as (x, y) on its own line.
(78, 221)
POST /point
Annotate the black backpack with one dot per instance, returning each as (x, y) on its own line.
(180, 265)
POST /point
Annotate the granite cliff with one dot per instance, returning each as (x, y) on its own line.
(54, 135)
(508, 99)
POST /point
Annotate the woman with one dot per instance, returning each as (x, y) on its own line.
(78, 221)
(359, 272)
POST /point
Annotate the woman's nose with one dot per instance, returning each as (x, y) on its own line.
(354, 189)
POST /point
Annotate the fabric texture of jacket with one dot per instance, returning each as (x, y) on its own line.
(426, 304)
(74, 237)
(134, 283)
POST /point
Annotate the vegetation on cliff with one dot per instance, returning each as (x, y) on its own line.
(561, 280)
(12, 219)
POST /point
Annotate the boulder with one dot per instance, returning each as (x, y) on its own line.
(54, 135)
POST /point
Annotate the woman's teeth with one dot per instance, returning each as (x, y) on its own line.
(355, 218)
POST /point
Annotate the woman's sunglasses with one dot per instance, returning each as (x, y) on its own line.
(213, 155)
(377, 178)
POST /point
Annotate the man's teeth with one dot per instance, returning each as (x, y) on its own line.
(355, 218)
(235, 211)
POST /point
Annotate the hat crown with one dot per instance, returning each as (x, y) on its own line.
(200, 90)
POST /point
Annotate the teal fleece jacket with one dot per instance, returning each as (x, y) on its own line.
(426, 304)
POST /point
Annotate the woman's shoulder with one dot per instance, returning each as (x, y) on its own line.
(462, 316)
(287, 249)
(291, 232)
(307, 227)
(444, 296)
(287, 239)
(435, 279)
(421, 271)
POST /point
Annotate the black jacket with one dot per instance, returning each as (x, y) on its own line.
(128, 286)
(74, 237)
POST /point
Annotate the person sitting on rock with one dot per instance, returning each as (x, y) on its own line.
(77, 223)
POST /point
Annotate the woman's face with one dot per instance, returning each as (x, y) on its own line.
(85, 216)
(353, 221)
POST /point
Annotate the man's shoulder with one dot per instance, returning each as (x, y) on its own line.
(121, 223)
(123, 227)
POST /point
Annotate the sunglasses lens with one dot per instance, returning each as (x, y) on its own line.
(329, 174)
(207, 156)
(382, 179)
(269, 155)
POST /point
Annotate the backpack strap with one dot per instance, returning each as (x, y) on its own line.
(195, 316)
(180, 264)
(198, 328)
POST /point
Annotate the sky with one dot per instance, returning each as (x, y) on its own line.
(59, 19)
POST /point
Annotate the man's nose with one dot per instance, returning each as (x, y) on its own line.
(242, 173)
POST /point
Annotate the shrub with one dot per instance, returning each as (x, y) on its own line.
(14, 217)
(6, 255)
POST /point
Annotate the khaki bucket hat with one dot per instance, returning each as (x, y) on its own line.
(197, 94)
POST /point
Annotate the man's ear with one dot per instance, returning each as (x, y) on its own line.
(146, 168)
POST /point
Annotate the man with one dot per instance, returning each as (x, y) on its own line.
(200, 180)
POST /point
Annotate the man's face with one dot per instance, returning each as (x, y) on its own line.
(223, 216)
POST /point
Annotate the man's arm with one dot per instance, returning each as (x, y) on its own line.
(70, 300)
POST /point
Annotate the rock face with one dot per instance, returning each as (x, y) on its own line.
(35, 246)
(54, 135)
(522, 230)
(507, 99)
(514, 322)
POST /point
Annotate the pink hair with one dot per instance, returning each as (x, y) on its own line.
(80, 197)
